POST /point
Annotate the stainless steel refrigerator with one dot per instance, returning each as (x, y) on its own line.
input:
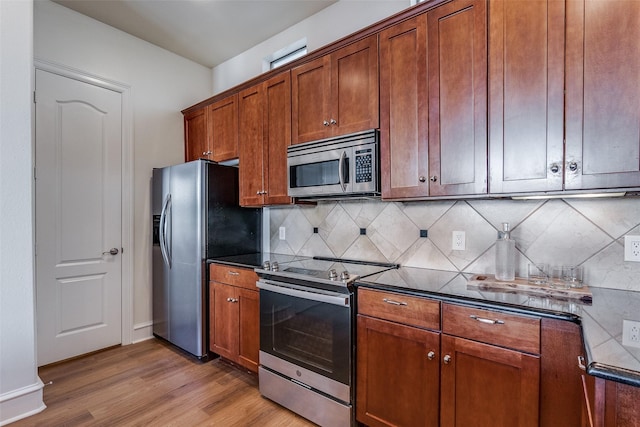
(196, 216)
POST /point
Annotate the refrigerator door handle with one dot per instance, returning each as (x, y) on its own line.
(166, 208)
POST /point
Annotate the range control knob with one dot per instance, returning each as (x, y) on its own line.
(266, 265)
(344, 276)
(332, 274)
(275, 266)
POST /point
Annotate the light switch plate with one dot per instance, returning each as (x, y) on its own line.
(282, 233)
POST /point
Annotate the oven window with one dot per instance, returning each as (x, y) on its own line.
(317, 174)
(311, 334)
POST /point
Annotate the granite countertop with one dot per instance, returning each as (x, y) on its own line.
(601, 321)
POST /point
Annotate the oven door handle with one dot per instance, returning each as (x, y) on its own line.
(337, 299)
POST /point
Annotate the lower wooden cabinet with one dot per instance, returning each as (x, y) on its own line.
(398, 378)
(609, 403)
(487, 385)
(234, 315)
(425, 363)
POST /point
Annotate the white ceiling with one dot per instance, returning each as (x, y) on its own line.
(206, 31)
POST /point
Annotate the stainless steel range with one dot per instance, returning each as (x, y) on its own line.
(307, 329)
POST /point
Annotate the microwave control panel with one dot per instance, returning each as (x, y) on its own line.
(364, 159)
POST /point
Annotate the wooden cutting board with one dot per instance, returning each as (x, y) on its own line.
(488, 282)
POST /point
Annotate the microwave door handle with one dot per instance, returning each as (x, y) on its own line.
(341, 170)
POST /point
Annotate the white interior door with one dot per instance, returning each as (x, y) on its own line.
(78, 217)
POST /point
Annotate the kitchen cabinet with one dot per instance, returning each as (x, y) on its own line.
(404, 115)
(491, 368)
(234, 315)
(457, 73)
(433, 92)
(526, 101)
(398, 367)
(223, 129)
(265, 134)
(602, 92)
(337, 93)
(609, 403)
(195, 135)
(479, 367)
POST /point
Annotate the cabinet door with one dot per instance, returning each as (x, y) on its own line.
(251, 146)
(277, 137)
(223, 128)
(404, 119)
(224, 306)
(602, 100)
(398, 374)
(195, 135)
(354, 87)
(310, 93)
(487, 386)
(249, 328)
(526, 102)
(457, 49)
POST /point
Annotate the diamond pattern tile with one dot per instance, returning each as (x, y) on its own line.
(569, 231)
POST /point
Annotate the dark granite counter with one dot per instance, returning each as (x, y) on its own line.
(601, 321)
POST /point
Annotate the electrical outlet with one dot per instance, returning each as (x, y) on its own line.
(631, 333)
(632, 248)
(282, 233)
(458, 241)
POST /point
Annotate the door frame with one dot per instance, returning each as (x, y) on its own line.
(126, 334)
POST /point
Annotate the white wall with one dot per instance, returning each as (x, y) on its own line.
(20, 387)
(330, 24)
(162, 84)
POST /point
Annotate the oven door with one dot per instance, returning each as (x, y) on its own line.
(320, 173)
(307, 327)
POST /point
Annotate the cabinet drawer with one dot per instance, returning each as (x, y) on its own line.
(493, 327)
(414, 311)
(236, 276)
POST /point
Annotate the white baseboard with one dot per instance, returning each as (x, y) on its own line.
(21, 403)
(142, 331)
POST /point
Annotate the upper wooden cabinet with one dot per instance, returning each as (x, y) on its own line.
(526, 101)
(223, 129)
(433, 93)
(196, 142)
(602, 107)
(457, 70)
(404, 115)
(336, 94)
(265, 134)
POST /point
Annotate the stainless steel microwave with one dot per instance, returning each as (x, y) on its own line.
(339, 167)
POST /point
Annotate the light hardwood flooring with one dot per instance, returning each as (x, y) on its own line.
(153, 384)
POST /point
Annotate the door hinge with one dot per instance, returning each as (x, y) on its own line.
(34, 97)
(34, 173)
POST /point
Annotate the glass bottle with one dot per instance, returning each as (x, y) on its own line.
(505, 255)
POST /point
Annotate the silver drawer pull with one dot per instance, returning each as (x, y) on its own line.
(487, 321)
(234, 273)
(390, 301)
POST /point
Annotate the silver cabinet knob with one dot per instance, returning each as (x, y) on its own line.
(326, 123)
(573, 166)
(431, 355)
(112, 251)
(232, 300)
(433, 178)
(447, 359)
(555, 168)
(333, 121)
(422, 179)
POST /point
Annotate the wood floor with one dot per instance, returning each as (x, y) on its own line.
(154, 384)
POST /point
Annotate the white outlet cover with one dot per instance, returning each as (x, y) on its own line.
(632, 248)
(631, 333)
(458, 241)
(282, 233)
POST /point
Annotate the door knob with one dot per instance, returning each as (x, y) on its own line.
(112, 251)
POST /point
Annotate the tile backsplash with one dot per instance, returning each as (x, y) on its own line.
(587, 232)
